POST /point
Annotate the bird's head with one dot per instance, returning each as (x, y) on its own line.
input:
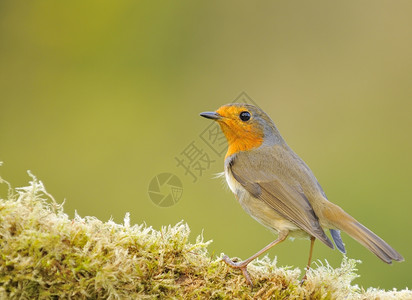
(244, 125)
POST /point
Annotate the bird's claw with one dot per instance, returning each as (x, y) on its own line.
(239, 265)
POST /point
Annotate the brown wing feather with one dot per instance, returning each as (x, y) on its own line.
(283, 198)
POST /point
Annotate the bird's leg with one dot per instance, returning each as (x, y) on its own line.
(312, 242)
(243, 264)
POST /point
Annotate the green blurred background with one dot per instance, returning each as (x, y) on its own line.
(98, 97)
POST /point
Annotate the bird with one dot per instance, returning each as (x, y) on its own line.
(277, 188)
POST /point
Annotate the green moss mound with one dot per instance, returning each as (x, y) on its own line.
(46, 255)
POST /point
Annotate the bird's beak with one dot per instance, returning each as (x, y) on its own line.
(211, 115)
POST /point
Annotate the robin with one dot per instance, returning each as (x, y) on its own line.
(275, 186)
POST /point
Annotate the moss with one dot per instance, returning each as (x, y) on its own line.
(46, 255)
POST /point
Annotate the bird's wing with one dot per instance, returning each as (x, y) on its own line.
(286, 200)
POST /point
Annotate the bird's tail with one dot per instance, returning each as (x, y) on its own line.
(343, 221)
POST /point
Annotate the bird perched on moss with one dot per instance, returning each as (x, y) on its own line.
(278, 189)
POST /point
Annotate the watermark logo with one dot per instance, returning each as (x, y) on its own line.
(165, 189)
(196, 158)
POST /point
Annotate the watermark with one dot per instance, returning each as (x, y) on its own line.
(196, 158)
(165, 189)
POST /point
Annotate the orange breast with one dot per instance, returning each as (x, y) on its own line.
(241, 137)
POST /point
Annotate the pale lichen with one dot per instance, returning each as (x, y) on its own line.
(44, 254)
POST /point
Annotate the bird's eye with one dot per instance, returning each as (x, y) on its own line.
(244, 116)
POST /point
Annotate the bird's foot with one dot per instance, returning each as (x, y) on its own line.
(302, 281)
(239, 265)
